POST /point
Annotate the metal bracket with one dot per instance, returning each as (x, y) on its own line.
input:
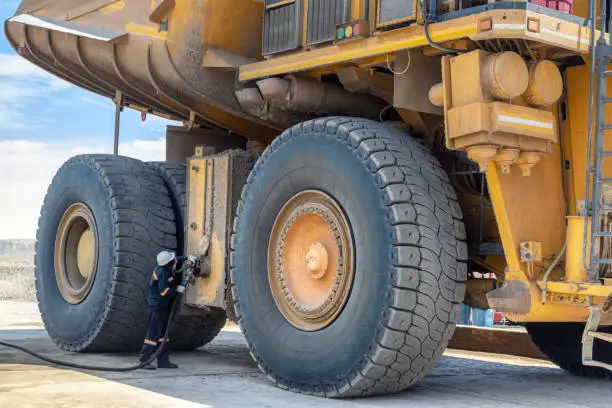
(204, 254)
(118, 109)
(589, 336)
(191, 120)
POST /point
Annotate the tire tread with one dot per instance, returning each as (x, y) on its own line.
(418, 323)
(133, 186)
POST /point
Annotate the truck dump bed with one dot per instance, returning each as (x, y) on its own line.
(182, 72)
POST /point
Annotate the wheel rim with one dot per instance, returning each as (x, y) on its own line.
(76, 253)
(310, 260)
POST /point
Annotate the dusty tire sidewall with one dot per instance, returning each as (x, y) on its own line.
(313, 160)
(76, 323)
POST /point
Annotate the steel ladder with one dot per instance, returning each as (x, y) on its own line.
(600, 202)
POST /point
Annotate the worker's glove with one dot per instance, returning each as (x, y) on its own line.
(180, 288)
(193, 259)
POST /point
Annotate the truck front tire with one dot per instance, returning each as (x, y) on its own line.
(365, 207)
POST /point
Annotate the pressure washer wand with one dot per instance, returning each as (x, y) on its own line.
(189, 268)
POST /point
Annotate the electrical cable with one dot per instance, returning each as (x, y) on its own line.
(405, 69)
(549, 270)
(173, 311)
(562, 149)
(436, 45)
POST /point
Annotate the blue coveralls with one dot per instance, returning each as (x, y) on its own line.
(162, 291)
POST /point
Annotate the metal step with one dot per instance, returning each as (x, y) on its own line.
(602, 234)
(602, 336)
(588, 339)
(602, 261)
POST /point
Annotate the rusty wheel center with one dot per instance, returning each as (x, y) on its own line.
(76, 253)
(317, 260)
(310, 260)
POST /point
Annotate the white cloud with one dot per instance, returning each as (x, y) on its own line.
(100, 102)
(20, 83)
(27, 167)
(13, 66)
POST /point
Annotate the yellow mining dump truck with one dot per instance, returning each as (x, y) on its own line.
(347, 169)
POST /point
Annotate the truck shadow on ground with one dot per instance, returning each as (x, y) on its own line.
(222, 374)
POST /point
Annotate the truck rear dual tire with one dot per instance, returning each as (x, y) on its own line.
(103, 221)
(562, 343)
(376, 205)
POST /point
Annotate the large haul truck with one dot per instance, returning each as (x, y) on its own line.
(347, 169)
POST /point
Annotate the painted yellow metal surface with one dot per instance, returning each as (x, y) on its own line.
(574, 259)
(532, 209)
(482, 122)
(576, 129)
(498, 201)
(116, 6)
(547, 312)
(583, 289)
(409, 37)
(201, 239)
(536, 212)
(487, 114)
(140, 29)
(358, 9)
(505, 24)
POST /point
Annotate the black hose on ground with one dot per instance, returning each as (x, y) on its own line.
(173, 312)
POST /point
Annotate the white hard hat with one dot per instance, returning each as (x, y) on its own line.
(165, 257)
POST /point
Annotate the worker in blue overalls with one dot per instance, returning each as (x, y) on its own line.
(162, 291)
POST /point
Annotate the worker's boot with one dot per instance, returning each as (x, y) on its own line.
(146, 352)
(163, 360)
(149, 366)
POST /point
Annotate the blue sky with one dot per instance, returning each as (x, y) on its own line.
(44, 121)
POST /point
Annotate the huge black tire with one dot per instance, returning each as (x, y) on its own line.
(175, 178)
(199, 327)
(131, 212)
(409, 259)
(562, 343)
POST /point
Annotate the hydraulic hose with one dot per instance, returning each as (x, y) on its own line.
(173, 312)
(436, 45)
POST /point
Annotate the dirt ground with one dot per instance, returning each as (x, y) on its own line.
(222, 374)
(17, 281)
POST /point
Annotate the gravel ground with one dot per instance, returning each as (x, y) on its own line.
(222, 374)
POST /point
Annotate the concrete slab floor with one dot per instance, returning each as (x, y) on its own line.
(222, 374)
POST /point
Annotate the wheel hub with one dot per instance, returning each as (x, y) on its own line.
(76, 253)
(310, 260)
(317, 260)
